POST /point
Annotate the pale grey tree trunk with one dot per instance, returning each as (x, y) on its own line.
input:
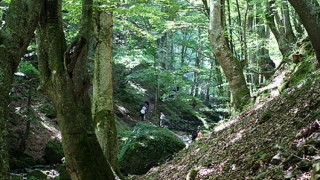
(15, 36)
(230, 65)
(102, 107)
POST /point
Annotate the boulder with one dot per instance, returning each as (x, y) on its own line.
(54, 151)
(147, 146)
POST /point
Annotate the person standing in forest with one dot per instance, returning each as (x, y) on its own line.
(162, 119)
(143, 111)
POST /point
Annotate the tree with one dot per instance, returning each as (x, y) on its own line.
(15, 37)
(230, 65)
(65, 79)
(281, 28)
(309, 13)
(102, 108)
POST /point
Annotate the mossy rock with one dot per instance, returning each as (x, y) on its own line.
(37, 174)
(54, 152)
(146, 147)
(63, 173)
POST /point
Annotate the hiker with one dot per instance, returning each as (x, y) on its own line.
(143, 111)
(199, 133)
(146, 104)
(162, 119)
(194, 134)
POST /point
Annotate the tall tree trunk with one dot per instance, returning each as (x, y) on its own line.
(231, 66)
(102, 107)
(282, 41)
(230, 39)
(240, 30)
(264, 61)
(309, 13)
(64, 77)
(209, 82)
(298, 25)
(15, 36)
(198, 59)
(287, 24)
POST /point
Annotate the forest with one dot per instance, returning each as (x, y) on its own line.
(159, 89)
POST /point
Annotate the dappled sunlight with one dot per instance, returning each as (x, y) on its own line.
(226, 124)
(237, 136)
(137, 87)
(48, 124)
(122, 109)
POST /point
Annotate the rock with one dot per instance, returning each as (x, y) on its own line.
(39, 175)
(276, 159)
(54, 152)
(146, 147)
(289, 175)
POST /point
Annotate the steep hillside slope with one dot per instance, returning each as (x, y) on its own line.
(277, 138)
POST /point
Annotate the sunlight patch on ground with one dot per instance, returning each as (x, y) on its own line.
(238, 136)
(138, 88)
(47, 124)
(226, 124)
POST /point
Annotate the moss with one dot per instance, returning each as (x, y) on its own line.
(146, 147)
(54, 151)
(261, 175)
(37, 174)
(303, 70)
(265, 117)
(63, 173)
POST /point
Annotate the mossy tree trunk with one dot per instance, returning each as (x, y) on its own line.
(102, 108)
(15, 37)
(309, 13)
(64, 77)
(230, 65)
(278, 29)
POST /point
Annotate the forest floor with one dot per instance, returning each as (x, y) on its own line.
(277, 138)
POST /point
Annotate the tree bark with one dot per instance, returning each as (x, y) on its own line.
(15, 36)
(287, 24)
(231, 66)
(282, 41)
(64, 77)
(102, 108)
(309, 13)
(198, 59)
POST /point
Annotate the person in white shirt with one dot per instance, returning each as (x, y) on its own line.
(162, 118)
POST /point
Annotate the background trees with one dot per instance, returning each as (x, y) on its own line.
(157, 46)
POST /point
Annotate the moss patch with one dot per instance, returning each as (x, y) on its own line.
(303, 70)
(146, 147)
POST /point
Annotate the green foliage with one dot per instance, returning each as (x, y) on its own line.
(27, 68)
